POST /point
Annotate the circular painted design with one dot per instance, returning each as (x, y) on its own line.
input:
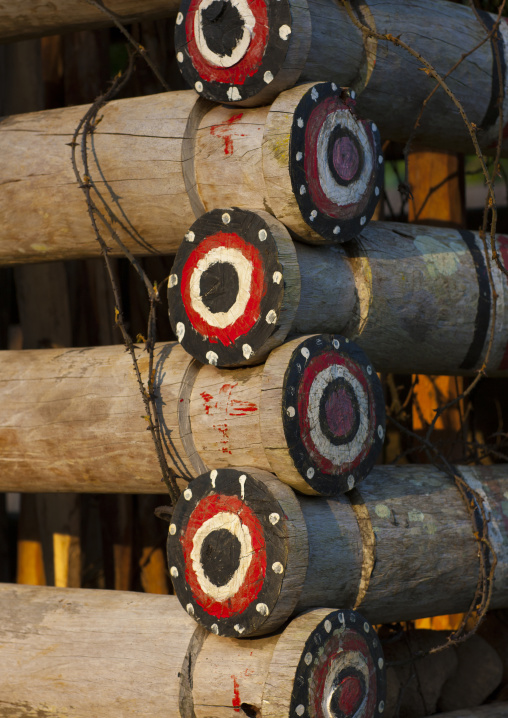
(332, 410)
(230, 556)
(334, 163)
(341, 672)
(226, 293)
(230, 50)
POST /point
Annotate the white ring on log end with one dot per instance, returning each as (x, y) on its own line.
(212, 358)
(314, 94)
(350, 481)
(290, 411)
(172, 529)
(300, 710)
(310, 473)
(247, 351)
(336, 343)
(226, 218)
(174, 571)
(303, 189)
(173, 280)
(242, 43)
(262, 608)
(242, 481)
(284, 32)
(328, 626)
(233, 94)
(190, 609)
(198, 86)
(215, 629)
(308, 659)
(299, 122)
(363, 220)
(277, 277)
(274, 519)
(336, 229)
(213, 477)
(179, 18)
(380, 431)
(187, 494)
(190, 236)
(271, 317)
(277, 567)
(179, 56)
(305, 352)
(268, 77)
(239, 629)
(380, 662)
(381, 706)
(262, 235)
(180, 331)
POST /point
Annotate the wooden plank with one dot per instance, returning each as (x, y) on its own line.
(414, 298)
(142, 655)
(78, 417)
(155, 153)
(289, 41)
(492, 710)
(399, 547)
(27, 18)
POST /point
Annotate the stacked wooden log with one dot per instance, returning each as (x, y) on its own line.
(274, 438)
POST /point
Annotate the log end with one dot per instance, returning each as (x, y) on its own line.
(234, 287)
(323, 414)
(237, 551)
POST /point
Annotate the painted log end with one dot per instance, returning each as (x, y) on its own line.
(241, 52)
(321, 395)
(338, 672)
(234, 287)
(237, 551)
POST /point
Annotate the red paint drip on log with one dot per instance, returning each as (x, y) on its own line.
(503, 250)
(350, 695)
(223, 129)
(236, 695)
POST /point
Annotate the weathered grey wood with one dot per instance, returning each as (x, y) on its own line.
(23, 19)
(323, 43)
(491, 710)
(74, 420)
(421, 561)
(416, 299)
(150, 152)
(107, 653)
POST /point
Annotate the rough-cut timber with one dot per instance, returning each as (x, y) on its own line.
(247, 52)
(73, 419)
(416, 299)
(158, 161)
(243, 555)
(491, 710)
(23, 19)
(111, 653)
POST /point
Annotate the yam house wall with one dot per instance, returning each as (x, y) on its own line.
(115, 541)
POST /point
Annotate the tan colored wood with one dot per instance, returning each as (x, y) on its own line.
(30, 561)
(27, 18)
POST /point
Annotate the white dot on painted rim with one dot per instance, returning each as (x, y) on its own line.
(277, 277)
(336, 343)
(366, 627)
(268, 77)
(350, 481)
(381, 706)
(308, 658)
(290, 411)
(328, 626)
(190, 609)
(247, 351)
(305, 352)
(352, 94)
(369, 370)
(187, 494)
(334, 86)
(302, 189)
(262, 235)
(212, 358)
(380, 662)
(380, 431)
(226, 218)
(314, 94)
(190, 236)
(179, 56)
(233, 94)
(299, 710)
(271, 317)
(215, 629)
(173, 280)
(284, 32)
(376, 191)
(238, 628)
(363, 220)
(310, 473)
(313, 215)
(299, 156)
(277, 567)
(174, 571)
(336, 229)
(180, 331)
(172, 529)
(262, 608)
(274, 519)
(179, 18)
(374, 127)
(199, 86)
(299, 122)
(380, 159)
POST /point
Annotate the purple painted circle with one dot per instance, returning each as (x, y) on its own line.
(340, 412)
(345, 158)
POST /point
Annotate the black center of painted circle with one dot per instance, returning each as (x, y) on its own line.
(218, 287)
(220, 556)
(339, 412)
(345, 156)
(347, 694)
(222, 27)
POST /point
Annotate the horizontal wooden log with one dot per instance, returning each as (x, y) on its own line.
(281, 42)
(245, 550)
(24, 19)
(491, 710)
(416, 299)
(160, 160)
(107, 653)
(73, 419)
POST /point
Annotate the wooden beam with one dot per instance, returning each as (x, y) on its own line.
(77, 415)
(399, 547)
(142, 655)
(415, 298)
(25, 19)
(491, 710)
(288, 41)
(159, 156)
